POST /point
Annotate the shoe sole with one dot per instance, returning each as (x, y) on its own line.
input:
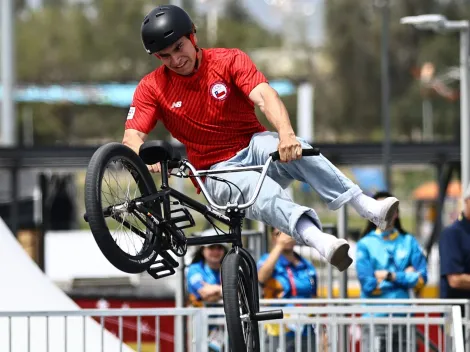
(340, 258)
(387, 223)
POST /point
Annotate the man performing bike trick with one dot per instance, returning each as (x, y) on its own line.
(206, 99)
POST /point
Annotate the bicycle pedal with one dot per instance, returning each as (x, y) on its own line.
(169, 259)
(162, 268)
(182, 215)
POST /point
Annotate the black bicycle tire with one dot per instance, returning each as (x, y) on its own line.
(234, 268)
(113, 253)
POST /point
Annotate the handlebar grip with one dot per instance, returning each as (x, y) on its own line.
(305, 152)
(269, 315)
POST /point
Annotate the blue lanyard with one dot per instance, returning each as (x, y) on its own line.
(390, 251)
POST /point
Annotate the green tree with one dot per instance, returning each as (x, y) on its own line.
(354, 37)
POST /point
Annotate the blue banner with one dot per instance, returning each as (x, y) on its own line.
(114, 94)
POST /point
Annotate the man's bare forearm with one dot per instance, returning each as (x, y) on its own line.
(276, 113)
(133, 139)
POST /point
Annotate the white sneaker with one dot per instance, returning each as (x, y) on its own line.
(339, 256)
(384, 216)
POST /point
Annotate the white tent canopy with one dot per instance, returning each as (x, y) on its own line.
(24, 287)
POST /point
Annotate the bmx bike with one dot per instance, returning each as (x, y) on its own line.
(156, 220)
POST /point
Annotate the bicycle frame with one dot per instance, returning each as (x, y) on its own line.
(233, 219)
(234, 212)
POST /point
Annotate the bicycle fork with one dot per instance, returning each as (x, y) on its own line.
(236, 218)
(267, 314)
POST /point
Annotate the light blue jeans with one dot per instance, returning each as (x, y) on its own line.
(274, 206)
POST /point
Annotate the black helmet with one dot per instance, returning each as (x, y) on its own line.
(163, 26)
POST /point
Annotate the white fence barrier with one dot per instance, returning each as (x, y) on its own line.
(309, 325)
(67, 331)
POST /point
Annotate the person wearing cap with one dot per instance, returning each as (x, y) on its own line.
(204, 284)
(203, 277)
(206, 99)
(454, 253)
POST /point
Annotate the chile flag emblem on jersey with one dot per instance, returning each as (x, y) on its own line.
(219, 91)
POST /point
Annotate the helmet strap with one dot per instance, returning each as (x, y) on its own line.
(193, 41)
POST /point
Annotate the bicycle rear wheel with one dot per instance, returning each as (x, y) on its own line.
(115, 177)
(240, 304)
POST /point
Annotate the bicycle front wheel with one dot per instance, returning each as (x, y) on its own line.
(240, 304)
(115, 177)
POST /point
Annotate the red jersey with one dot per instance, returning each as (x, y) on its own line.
(209, 111)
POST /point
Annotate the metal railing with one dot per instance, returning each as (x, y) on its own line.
(339, 325)
(337, 329)
(89, 329)
(419, 334)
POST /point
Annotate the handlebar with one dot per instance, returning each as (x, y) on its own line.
(305, 152)
(185, 164)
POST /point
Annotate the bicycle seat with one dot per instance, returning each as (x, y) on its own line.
(152, 152)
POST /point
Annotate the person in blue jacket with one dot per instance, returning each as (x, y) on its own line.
(204, 283)
(389, 264)
(203, 277)
(283, 273)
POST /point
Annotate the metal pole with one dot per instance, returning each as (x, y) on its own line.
(305, 111)
(331, 230)
(343, 279)
(8, 134)
(428, 124)
(212, 23)
(180, 279)
(14, 218)
(343, 233)
(386, 93)
(464, 105)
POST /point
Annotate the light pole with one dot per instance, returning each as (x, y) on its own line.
(384, 6)
(439, 23)
(212, 19)
(8, 127)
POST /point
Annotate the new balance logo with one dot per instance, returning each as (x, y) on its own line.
(176, 104)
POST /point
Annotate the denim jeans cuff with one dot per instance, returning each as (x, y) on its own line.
(345, 197)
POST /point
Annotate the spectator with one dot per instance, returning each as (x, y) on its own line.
(454, 253)
(283, 273)
(389, 264)
(204, 286)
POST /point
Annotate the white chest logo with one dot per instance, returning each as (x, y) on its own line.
(219, 91)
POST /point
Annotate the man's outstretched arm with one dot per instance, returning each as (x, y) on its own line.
(272, 106)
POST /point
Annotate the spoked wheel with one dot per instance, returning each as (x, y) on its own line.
(240, 304)
(115, 177)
